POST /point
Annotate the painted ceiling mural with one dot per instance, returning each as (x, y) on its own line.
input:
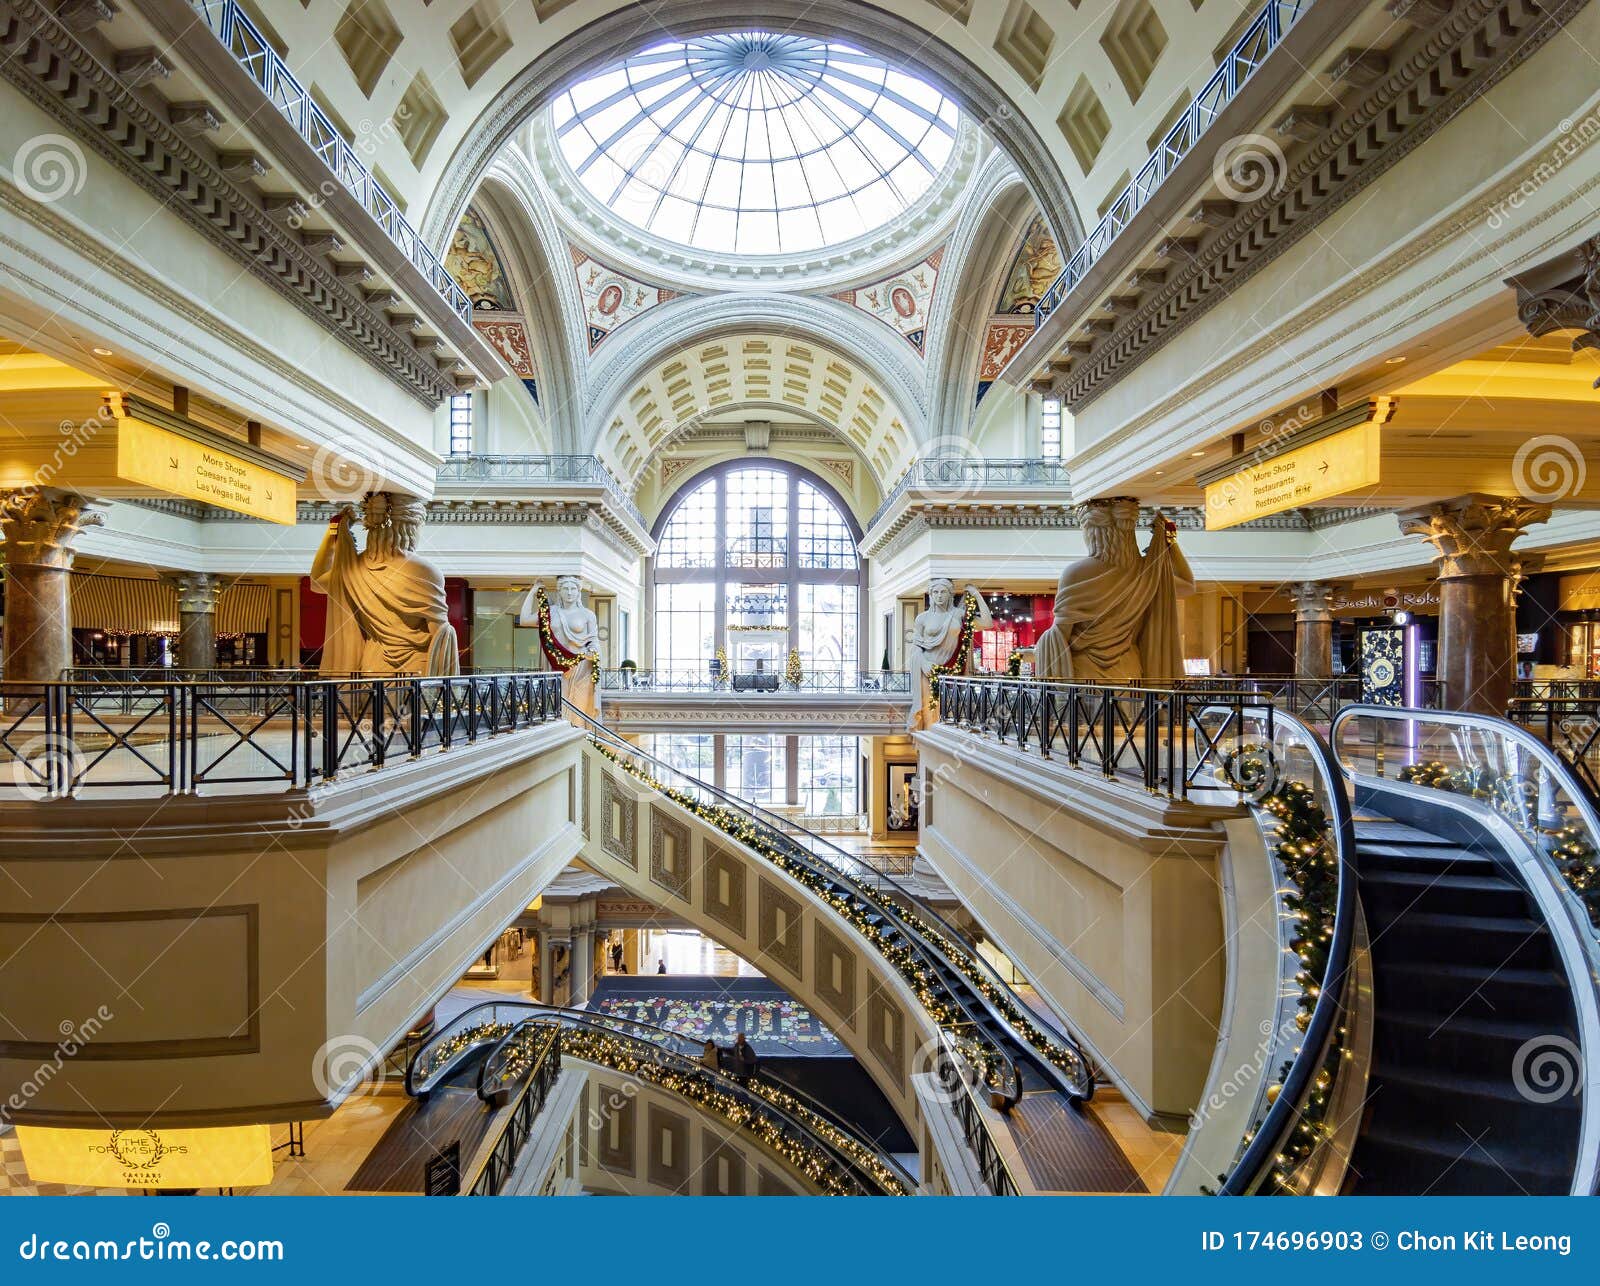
(475, 264)
(901, 301)
(611, 297)
(1035, 265)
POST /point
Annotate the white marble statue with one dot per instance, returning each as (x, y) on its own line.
(576, 633)
(386, 606)
(936, 637)
(1116, 614)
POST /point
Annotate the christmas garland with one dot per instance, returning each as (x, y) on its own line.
(562, 657)
(868, 921)
(1311, 863)
(957, 664)
(1516, 798)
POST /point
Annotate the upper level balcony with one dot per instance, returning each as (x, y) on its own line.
(860, 703)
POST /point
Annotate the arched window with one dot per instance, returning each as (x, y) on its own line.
(758, 560)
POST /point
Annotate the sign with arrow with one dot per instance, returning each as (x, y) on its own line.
(1329, 467)
(180, 466)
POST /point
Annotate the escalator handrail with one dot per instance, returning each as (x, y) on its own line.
(687, 1047)
(845, 872)
(1541, 750)
(689, 1060)
(1258, 1155)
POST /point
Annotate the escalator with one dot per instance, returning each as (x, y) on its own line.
(1461, 1063)
(1009, 1046)
(503, 1040)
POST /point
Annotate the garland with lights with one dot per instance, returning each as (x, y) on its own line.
(793, 674)
(722, 675)
(957, 664)
(867, 918)
(1516, 798)
(563, 658)
(1311, 863)
(765, 1120)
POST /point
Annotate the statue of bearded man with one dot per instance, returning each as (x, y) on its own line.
(386, 606)
(577, 630)
(1116, 614)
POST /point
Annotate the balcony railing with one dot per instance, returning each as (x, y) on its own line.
(889, 683)
(250, 49)
(957, 476)
(545, 470)
(1259, 40)
(149, 739)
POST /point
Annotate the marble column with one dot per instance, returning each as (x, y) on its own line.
(197, 616)
(1313, 629)
(1472, 537)
(40, 527)
(582, 967)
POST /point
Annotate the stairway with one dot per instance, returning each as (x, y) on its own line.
(1465, 973)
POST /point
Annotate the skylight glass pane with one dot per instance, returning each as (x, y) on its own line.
(762, 126)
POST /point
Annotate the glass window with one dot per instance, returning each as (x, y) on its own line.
(461, 424)
(830, 776)
(828, 644)
(757, 768)
(755, 143)
(1050, 428)
(685, 628)
(825, 539)
(995, 647)
(691, 753)
(775, 562)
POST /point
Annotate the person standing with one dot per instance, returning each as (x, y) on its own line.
(661, 965)
(744, 1059)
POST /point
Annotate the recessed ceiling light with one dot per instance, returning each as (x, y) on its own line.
(301, 446)
(1159, 472)
(1393, 361)
(101, 352)
(1195, 454)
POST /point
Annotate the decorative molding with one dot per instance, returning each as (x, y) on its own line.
(48, 63)
(670, 873)
(619, 822)
(780, 924)
(721, 868)
(1453, 65)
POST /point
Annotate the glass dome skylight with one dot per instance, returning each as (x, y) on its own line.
(754, 143)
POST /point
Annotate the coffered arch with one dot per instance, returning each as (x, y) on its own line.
(809, 358)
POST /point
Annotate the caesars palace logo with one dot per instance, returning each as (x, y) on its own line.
(137, 1149)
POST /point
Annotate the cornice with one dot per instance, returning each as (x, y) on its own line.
(48, 64)
(1413, 102)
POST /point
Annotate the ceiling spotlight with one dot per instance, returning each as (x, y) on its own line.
(101, 352)
(1393, 361)
(1195, 455)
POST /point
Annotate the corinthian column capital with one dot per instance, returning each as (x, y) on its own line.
(1472, 535)
(197, 591)
(40, 526)
(1313, 600)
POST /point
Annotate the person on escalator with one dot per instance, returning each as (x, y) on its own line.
(744, 1059)
(711, 1056)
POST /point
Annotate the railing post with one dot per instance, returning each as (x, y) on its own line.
(416, 716)
(1108, 729)
(330, 730)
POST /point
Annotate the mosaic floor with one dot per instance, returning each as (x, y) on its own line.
(712, 1008)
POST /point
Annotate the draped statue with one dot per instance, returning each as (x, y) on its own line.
(941, 642)
(569, 635)
(1117, 610)
(386, 606)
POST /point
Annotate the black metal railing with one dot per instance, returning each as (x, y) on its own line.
(1570, 725)
(65, 739)
(955, 476)
(1154, 737)
(545, 470)
(539, 1065)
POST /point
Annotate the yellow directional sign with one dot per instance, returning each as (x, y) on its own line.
(1330, 466)
(183, 466)
(230, 1156)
